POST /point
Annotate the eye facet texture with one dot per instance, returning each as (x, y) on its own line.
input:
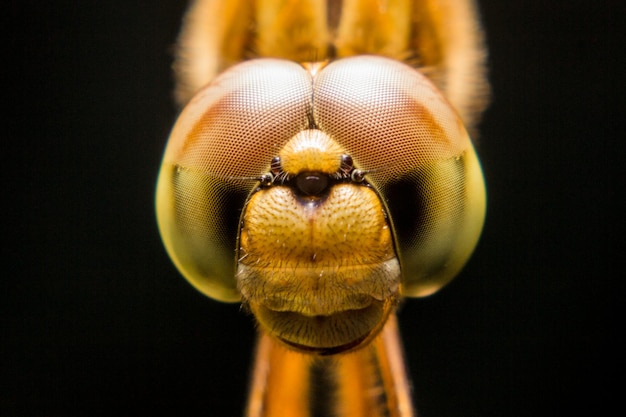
(387, 117)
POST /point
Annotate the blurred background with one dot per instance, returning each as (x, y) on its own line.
(95, 320)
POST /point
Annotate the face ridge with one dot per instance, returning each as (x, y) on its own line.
(319, 271)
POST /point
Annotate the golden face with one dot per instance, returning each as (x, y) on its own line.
(320, 194)
(316, 259)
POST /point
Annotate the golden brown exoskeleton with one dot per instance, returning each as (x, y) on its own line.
(322, 171)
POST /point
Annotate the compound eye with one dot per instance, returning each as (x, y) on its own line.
(312, 183)
(222, 140)
(403, 133)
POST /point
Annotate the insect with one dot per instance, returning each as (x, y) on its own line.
(320, 171)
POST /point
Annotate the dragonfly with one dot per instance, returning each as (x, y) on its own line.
(320, 172)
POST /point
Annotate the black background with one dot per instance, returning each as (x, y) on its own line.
(95, 320)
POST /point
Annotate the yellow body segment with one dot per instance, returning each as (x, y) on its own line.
(392, 20)
(291, 29)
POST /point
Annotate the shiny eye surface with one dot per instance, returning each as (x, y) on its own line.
(384, 198)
